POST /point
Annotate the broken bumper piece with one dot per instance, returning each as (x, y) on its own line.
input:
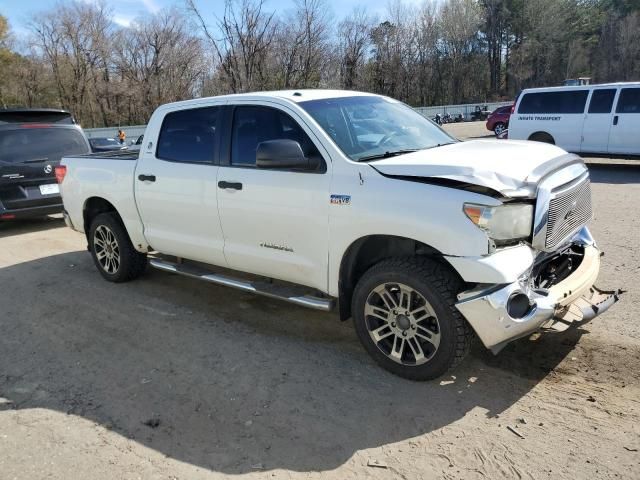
(502, 313)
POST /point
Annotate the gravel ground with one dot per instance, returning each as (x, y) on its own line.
(168, 378)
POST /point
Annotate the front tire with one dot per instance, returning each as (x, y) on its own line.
(112, 250)
(406, 319)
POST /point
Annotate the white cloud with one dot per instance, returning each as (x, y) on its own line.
(122, 20)
(151, 5)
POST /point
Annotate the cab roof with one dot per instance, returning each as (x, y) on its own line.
(581, 87)
(296, 96)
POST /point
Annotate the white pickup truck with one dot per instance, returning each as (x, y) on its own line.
(342, 199)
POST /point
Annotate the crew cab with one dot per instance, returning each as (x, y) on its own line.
(32, 142)
(337, 199)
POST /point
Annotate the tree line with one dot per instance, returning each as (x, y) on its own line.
(440, 52)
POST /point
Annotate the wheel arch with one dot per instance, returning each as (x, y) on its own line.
(366, 251)
(542, 136)
(93, 207)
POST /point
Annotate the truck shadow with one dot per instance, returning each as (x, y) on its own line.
(224, 380)
(10, 228)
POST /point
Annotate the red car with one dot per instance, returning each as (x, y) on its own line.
(498, 120)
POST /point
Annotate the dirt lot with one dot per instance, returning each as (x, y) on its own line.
(169, 378)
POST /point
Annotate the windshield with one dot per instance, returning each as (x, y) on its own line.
(104, 142)
(369, 127)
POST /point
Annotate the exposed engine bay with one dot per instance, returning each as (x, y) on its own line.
(553, 268)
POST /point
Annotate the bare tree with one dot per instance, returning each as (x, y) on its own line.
(353, 41)
(247, 32)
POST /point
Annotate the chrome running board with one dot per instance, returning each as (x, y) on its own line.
(293, 294)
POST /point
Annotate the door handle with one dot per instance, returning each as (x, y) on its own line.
(232, 185)
(147, 178)
(615, 120)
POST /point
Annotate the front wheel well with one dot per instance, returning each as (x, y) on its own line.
(368, 251)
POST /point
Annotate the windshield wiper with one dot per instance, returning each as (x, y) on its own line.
(440, 145)
(387, 154)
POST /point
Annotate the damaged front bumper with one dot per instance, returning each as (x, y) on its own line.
(503, 313)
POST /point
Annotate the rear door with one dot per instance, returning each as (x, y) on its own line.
(624, 136)
(597, 121)
(29, 154)
(175, 185)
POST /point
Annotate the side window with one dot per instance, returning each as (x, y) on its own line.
(602, 101)
(629, 101)
(572, 101)
(189, 135)
(255, 124)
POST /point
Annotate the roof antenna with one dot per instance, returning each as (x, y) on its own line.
(297, 94)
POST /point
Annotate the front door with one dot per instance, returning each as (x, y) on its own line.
(597, 121)
(175, 186)
(275, 222)
(625, 129)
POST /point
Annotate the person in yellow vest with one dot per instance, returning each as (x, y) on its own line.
(121, 136)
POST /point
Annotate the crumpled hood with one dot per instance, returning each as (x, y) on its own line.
(511, 167)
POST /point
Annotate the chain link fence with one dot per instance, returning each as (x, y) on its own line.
(454, 110)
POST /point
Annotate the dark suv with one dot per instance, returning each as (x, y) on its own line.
(32, 142)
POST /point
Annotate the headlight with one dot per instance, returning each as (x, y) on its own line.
(504, 222)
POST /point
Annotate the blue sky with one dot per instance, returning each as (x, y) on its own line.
(19, 11)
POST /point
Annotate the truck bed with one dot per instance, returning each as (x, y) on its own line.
(114, 155)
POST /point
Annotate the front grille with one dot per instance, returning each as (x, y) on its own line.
(568, 211)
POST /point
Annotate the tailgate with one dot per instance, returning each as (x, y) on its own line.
(28, 156)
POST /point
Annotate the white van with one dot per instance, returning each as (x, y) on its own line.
(589, 119)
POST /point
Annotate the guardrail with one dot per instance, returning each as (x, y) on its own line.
(132, 132)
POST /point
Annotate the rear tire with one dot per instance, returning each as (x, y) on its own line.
(112, 250)
(405, 317)
(543, 137)
(498, 128)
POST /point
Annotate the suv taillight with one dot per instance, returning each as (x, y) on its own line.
(513, 108)
(61, 171)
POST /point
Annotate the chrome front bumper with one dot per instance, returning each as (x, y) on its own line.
(573, 301)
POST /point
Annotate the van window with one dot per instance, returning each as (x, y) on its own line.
(189, 135)
(602, 100)
(629, 101)
(572, 101)
(253, 124)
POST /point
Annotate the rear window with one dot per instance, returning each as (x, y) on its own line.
(554, 102)
(602, 101)
(44, 144)
(36, 116)
(629, 101)
(189, 135)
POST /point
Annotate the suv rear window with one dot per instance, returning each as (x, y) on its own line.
(46, 144)
(554, 102)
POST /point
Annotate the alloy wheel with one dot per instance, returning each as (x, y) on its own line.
(402, 324)
(106, 249)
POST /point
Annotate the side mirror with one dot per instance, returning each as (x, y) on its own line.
(283, 153)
